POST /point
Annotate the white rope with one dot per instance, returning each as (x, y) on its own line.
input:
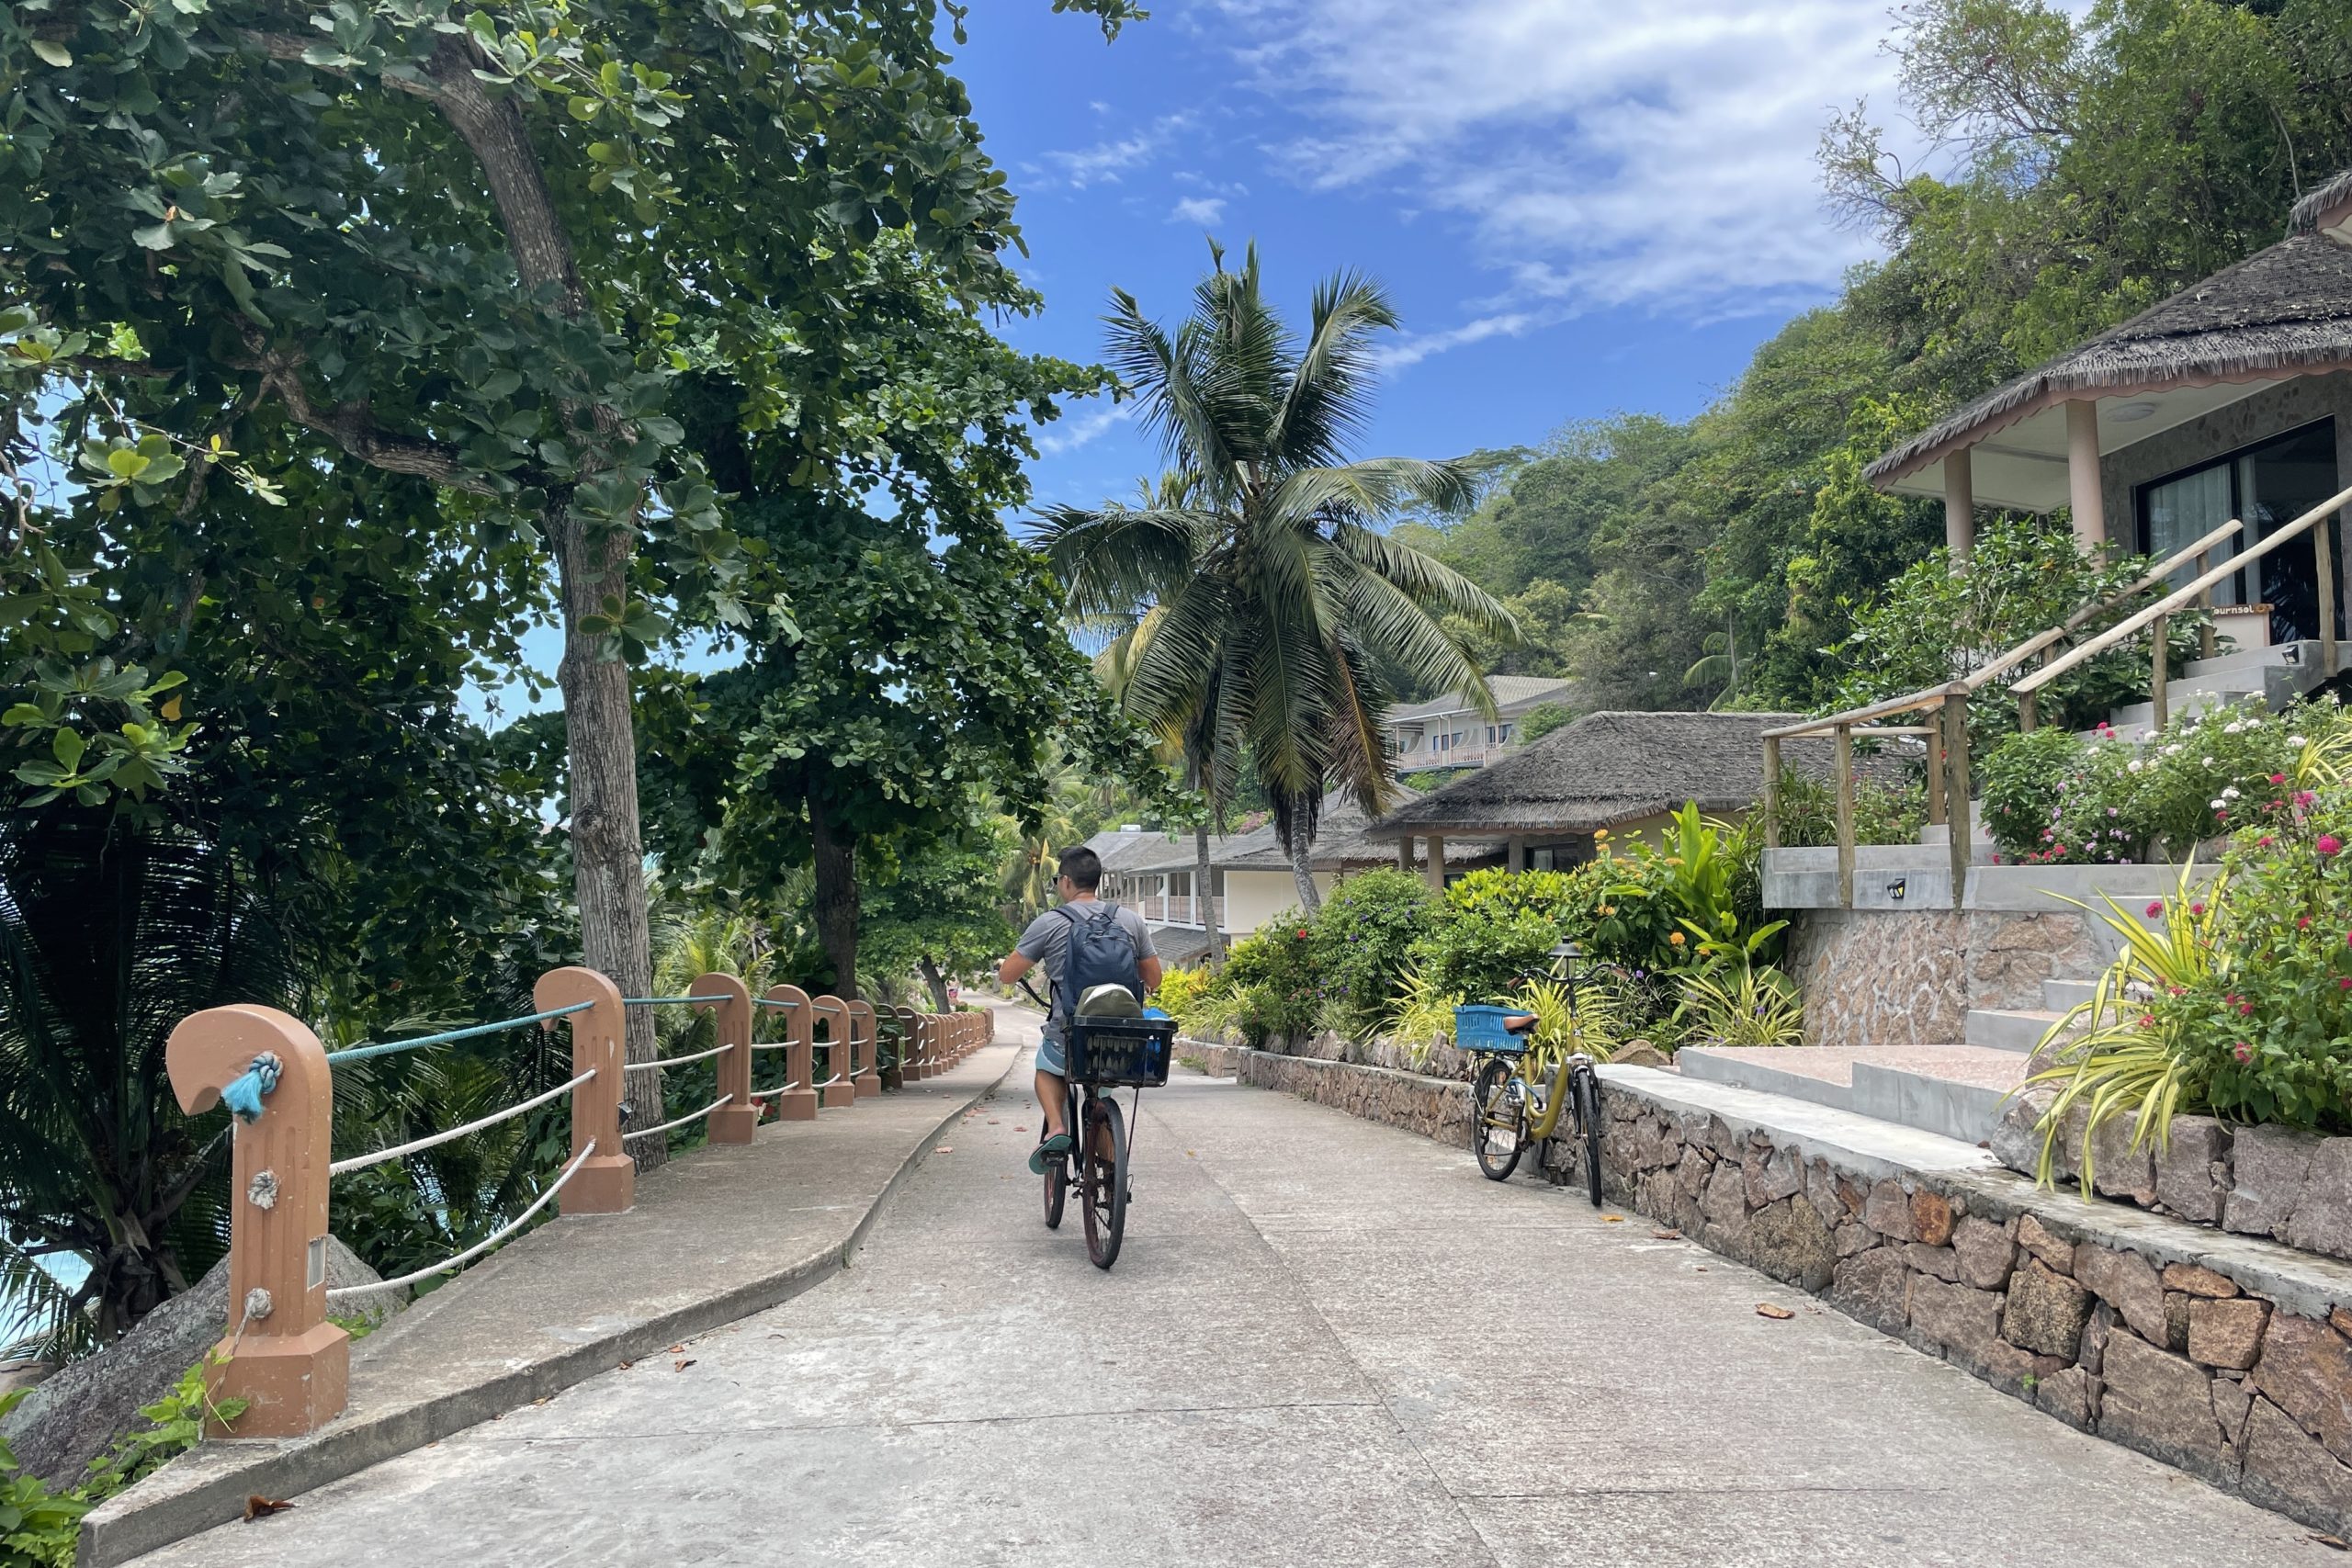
(345, 1291)
(765, 1093)
(772, 1045)
(690, 1116)
(672, 1061)
(830, 1082)
(381, 1156)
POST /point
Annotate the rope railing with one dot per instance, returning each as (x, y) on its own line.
(346, 1292)
(676, 1061)
(434, 1140)
(392, 1047)
(677, 1122)
(291, 1367)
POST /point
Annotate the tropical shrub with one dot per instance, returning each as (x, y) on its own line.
(1182, 991)
(2052, 798)
(1362, 938)
(1272, 978)
(1806, 808)
(1420, 1015)
(1740, 1004)
(1542, 720)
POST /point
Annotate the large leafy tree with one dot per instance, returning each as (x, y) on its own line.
(467, 249)
(1268, 610)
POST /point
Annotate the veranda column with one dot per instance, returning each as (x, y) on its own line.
(1437, 861)
(1960, 505)
(1515, 856)
(2082, 473)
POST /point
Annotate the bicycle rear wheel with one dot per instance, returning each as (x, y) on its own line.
(1585, 1084)
(1497, 1121)
(1103, 1180)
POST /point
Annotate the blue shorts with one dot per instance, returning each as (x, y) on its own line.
(1051, 1058)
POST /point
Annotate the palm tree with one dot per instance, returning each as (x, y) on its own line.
(1263, 611)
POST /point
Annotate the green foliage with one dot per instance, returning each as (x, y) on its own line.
(42, 1527)
(1740, 1004)
(1543, 719)
(1272, 975)
(1362, 938)
(1181, 991)
(1253, 605)
(2025, 576)
(2051, 797)
(1420, 1015)
(1884, 813)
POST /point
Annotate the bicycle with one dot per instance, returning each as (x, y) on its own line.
(1104, 1055)
(1509, 1108)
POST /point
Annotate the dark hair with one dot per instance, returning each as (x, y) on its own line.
(1083, 867)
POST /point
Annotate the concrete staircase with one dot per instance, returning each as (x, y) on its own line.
(2276, 675)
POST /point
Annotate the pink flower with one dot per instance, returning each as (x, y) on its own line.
(2343, 983)
(2246, 1009)
(2329, 844)
(2278, 778)
(2197, 908)
(2147, 1021)
(2242, 1052)
(2155, 909)
(2305, 798)
(2061, 850)
(2264, 841)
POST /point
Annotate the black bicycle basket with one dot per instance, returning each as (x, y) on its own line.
(1122, 1051)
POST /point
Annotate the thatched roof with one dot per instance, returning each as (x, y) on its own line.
(2281, 312)
(1340, 841)
(2329, 207)
(1608, 768)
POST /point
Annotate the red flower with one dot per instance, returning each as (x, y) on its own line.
(2246, 1009)
(1302, 933)
(2264, 841)
(2303, 924)
(2242, 1052)
(2278, 778)
(2343, 983)
(2197, 908)
(2329, 844)
(2155, 909)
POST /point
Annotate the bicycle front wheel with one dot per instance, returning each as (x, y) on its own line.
(1057, 1171)
(1497, 1121)
(1586, 1087)
(1103, 1180)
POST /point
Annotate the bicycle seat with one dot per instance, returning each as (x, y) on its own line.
(1520, 1023)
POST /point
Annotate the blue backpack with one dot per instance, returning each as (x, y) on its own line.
(1101, 953)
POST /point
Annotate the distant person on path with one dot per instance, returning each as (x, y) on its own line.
(1048, 942)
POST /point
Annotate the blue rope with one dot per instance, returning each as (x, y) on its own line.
(656, 1001)
(358, 1051)
(763, 1001)
(242, 1093)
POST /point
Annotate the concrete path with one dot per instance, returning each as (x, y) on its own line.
(1327, 1342)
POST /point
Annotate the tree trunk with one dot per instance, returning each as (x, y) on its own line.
(608, 869)
(836, 896)
(1204, 889)
(938, 984)
(1310, 900)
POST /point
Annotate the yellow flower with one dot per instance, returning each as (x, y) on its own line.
(1606, 910)
(1675, 938)
(1601, 832)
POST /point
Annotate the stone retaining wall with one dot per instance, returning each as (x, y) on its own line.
(1909, 977)
(2231, 1361)
(2271, 1181)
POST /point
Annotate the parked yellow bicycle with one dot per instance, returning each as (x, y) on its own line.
(1533, 1076)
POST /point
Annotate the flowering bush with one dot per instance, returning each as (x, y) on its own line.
(1271, 977)
(1181, 992)
(2052, 799)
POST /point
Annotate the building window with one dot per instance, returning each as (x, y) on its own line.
(1504, 734)
(2268, 486)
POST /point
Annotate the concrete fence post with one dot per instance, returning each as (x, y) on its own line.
(907, 1061)
(833, 1014)
(797, 1103)
(865, 1051)
(608, 1180)
(285, 1360)
(734, 1121)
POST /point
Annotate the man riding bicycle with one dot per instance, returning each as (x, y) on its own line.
(1048, 942)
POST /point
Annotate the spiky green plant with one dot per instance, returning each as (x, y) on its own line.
(1421, 1016)
(1741, 1004)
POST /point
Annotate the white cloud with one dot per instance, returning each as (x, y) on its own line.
(1604, 154)
(1073, 433)
(1201, 209)
(1103, 163)
(1411, 348)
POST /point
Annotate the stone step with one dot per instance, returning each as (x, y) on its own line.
(2184, 700)
(2243, 660)
(1953, 1091)
(2010, 1029)
(2060, 995)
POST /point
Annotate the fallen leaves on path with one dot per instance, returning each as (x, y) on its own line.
(1666, 1235)
(1612, 1219)
(2334, 1543)
(260, 1507)
(945, 1149)
(1766, 1309)
(682, 1366)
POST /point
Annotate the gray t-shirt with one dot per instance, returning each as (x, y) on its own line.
(1046, 945)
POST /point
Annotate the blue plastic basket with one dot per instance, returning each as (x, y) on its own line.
(1480, 1027)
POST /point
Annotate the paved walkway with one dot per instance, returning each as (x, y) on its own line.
(1327, 1342)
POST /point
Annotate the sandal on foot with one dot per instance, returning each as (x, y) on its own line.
(1051, 1149)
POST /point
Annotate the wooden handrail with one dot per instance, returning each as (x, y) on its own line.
(1932, 696)
(2181, 596)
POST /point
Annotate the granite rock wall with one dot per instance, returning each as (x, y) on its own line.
(1909, 977)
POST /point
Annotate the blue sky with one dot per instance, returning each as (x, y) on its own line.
(1579, 206)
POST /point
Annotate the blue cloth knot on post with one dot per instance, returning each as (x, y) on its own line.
(242, 1093)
